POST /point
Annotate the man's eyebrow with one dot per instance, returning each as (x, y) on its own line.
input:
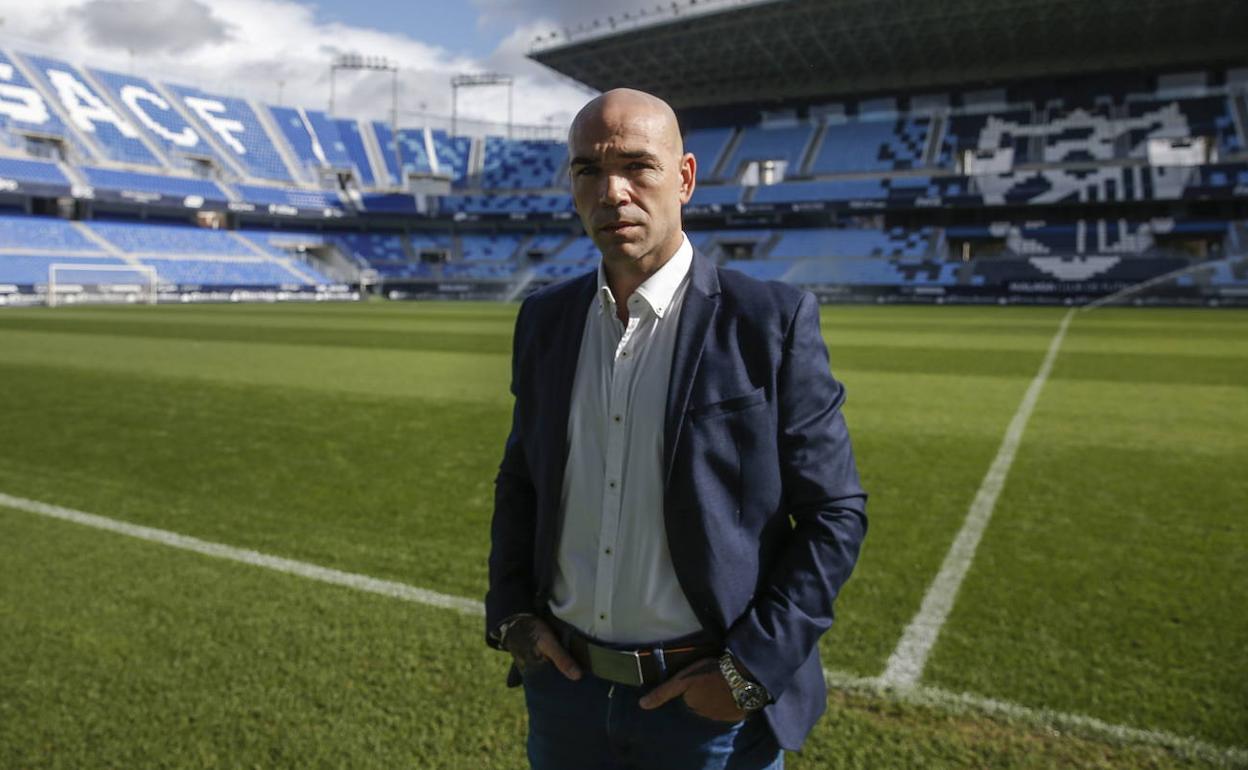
(581, 160)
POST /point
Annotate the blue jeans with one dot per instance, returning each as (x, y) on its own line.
(593, 724)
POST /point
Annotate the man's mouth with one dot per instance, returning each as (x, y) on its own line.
(614, 227)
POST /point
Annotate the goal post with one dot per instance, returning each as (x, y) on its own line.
(86, 281)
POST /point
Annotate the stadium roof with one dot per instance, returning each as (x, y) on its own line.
(781, 50)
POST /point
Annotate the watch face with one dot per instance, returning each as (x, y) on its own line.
(752, 698)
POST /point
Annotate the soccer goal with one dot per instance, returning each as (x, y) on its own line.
(88, 282)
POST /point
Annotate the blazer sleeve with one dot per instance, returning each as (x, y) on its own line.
(512, 531)
(826, 503)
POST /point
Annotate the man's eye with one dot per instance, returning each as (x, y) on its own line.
(586, 171)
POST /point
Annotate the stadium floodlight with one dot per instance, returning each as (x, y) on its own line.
(355, 61)
(476, 81)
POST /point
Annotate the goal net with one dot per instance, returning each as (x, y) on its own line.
(82, 282)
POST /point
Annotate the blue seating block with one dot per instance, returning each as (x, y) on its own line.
(521, 164)
(244, 137)
(117, 139)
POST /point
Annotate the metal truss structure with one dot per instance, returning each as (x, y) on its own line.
(794, 50)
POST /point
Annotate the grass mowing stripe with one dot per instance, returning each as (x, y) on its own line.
(957, 703)
(905, 665)
(253, 558)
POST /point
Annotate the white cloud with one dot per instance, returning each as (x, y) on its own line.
(255, 48)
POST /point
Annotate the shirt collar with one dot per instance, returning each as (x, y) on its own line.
(659, 289)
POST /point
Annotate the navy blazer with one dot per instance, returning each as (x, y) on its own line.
(763, 508)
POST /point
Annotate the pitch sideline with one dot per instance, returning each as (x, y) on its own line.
(906, 663)
(918, 694)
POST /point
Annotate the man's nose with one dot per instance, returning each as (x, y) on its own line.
(614, 190)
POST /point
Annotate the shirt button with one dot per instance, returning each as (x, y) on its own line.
(625, 354)
(602, 616)
(611, 484)
(607, 552)
(617, 418)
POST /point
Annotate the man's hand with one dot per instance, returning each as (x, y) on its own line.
(704, 689)
(531, 642)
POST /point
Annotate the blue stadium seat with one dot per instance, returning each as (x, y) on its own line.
(828, 242)
(707, 145)
(297, 132)
(716, 195)
(763, 270)
(113, 133)
(342, 144)
(492, 246)
(163, 240)
(517, 164)
(176, 186)
(504, 204)
(20, 233)
(763, 143)
(34, 114)
(411, 151)
(28, 270)
(214, 272)
(237, 129)
(579, 250)
(289, 196)
(153, 114)
(872, 146)
(452, 153)
(32, 171)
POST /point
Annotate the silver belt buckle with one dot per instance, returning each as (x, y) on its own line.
(619, 666)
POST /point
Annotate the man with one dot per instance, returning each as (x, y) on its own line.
(677, 505)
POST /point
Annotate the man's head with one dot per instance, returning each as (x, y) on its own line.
(630, 176)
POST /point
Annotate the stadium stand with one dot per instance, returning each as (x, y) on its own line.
(842, 203)
(707, 145)
(871, 145)
(34, 234)
(88, 111)
(236, 129)
(485, 247)
(26, 112)
(521, 164)
(289, 196)
(38, 172)
(343, 145)
(159, 119)
(169, 239)
(757, 143)
(153, 184)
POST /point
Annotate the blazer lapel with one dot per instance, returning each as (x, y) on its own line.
(701, 304)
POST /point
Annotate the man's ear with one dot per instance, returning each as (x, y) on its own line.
(688, 177)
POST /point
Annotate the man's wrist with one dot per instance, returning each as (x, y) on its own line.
(500, 633)
(748, 694)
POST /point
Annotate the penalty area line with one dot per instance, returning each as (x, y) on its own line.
(905, 665)
(956, 703)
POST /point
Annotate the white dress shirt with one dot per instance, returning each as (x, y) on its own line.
(614, 578)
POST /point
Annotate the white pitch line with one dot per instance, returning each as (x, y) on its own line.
(371, 585)
(1045, 719)
(955, 702)
(905, 665)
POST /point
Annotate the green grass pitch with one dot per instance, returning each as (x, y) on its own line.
(1111, 582)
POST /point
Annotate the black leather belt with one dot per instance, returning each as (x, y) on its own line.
(634, 667)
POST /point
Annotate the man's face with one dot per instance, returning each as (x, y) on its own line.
(629, 180)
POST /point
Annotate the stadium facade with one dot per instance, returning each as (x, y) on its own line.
(870, 151)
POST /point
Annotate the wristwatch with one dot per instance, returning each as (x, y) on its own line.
(750, 696)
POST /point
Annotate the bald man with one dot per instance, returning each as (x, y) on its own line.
(678, 504)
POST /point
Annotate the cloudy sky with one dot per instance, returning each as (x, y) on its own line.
(266, 48)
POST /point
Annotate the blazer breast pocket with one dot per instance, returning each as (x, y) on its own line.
(729, 405)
